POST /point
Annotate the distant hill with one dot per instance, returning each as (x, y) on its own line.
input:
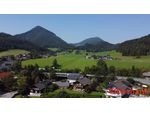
(135, 47)
(8, 41)
(94, 44)
(44, 38)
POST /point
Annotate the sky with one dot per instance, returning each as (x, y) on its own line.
(74, 28)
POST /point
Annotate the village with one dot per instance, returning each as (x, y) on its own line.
(48, 79)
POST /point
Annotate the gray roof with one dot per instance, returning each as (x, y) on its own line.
(121, 84)
(84, 81)
(71, 76)
(62, 84)
(74, 76)
(146, 74)
(9, 94)
(41, 85)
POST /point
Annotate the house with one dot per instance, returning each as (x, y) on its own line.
(6, 65)
(62, 84)
(105, 57)
(118, 89)
(70, 77)
(5, 74)
(146, 75)
(39, 88)
(73, 78)
(81, 84)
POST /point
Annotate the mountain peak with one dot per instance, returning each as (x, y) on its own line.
(92, 41)
(43, 37)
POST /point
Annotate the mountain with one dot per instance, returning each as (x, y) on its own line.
(8, 41)
(44, 38)
(91, 41)
(135, 47)
(94, 44)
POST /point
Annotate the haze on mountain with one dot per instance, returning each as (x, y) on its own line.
(43, 38)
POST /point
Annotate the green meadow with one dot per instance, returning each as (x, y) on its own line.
(72, 60)
(13, 52)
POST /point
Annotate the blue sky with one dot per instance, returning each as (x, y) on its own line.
(75, 28)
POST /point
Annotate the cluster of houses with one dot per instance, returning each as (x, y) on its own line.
(65, 80)
(107, 57)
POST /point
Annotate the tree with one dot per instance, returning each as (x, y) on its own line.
(102, 68)
(62, 94)
(112, 69)
(9, 83)
(55, 64)
(23, 87)
(52, 88)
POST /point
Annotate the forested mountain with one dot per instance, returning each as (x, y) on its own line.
(94, 44)
(44, 38)
(10, 42)
(135, 47)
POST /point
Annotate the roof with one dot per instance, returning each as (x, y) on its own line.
(62, 84)
(61, 74)
(120, 84)
(146, 74)
(9, 94)
(84, 81)
(4, 74)
(74, 76)
(41, 85)
(71, 76)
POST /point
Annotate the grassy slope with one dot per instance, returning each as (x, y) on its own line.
(13, 52)
(70, 61)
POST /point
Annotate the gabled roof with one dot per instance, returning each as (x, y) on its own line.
(62, 84)
(74, 76)
(41, 85)
(120, 84)
(71, 76)
(84, 81)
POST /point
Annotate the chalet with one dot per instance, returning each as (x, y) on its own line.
(62, 84)
(6, 65)
(81, 84)
(146, 75)
(71, 77)
(115, 89)
(39, 88)
(105, 58)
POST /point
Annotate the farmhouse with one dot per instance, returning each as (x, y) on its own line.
(81, 84)
(62, 84)
(71, 77)
(146, 75)
(38, 88)
(105, 58)
(114, 88)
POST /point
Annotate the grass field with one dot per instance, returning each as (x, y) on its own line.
(13, 52)
(71, 61)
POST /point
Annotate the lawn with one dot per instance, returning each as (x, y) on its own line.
(72, 60)
(13, 52)
(67, 61)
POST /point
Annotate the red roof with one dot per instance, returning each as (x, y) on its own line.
(4, 74)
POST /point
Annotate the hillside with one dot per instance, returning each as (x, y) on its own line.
(8, 42)
(94, 44)
(135, 47)
(44, 38)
